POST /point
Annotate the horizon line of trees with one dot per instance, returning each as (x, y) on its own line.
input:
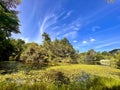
(59, 51)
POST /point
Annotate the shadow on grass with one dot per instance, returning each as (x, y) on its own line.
(8, 67)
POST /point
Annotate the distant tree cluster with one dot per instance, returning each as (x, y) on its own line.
(111, 58)
(50, 51)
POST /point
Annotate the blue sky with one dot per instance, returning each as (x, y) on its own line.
(88, 24)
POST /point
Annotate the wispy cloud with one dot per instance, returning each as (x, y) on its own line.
(52, 20)
(71, 29)
(50, 24)
(108, 9)
(55, 27)
(108, 29)
(106, 44)
(67, 15)
(71, 34)
(43, 25)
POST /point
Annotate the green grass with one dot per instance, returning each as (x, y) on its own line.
(63, 77)
(98, 70)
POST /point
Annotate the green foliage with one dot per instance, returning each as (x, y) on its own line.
(9, 23)
(5, 50)
(18, 46)
(90, 56)
(117, 60)
(46, 38)
(8, 20)
(31, 54)
(105, 58)
(50, 52)
(63, 51)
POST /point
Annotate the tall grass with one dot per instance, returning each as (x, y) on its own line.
(95, 83)
(65, 77)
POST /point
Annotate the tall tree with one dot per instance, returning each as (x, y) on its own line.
(47, 46)
(46, 38)
(90, 56)
(64, 51)
(9, 23)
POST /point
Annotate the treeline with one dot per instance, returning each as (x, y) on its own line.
(50, 51)
(58, 51)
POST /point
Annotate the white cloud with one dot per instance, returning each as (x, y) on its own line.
(92, 40)
(75, 41)
(84, 42)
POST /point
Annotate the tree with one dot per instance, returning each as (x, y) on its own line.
(47, 46)
(8, 23)
(118, 60)
(34, 54)
(2, 39)
(18, 47)
(90, 56)
(67, 48)
(98, 56)
(81, 57)
(46, 38)
(58, 50)
(115, 61)
(31, 53)
(63, 51)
